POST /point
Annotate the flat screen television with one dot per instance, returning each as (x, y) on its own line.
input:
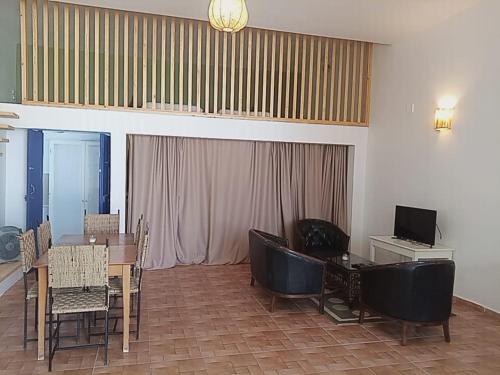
(415, 224)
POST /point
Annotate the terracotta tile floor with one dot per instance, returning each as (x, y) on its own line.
(208, 320)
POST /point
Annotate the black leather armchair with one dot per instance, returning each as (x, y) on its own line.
(283, 272)
(320, 238)
(412, 292)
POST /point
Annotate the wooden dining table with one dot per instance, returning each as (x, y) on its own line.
(122, 257)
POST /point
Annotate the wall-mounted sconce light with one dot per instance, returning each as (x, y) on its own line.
(443, 118)
(444, 114)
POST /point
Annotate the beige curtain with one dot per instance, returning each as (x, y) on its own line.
(201, 196)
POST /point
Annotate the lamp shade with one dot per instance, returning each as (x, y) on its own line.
(443, 118)
(228, 15)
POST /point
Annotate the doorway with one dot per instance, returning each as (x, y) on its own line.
(74, 178)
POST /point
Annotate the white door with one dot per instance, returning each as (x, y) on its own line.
(73, 184)
(91, 188)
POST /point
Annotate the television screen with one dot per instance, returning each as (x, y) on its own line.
(415, 224)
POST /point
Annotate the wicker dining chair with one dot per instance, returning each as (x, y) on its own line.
(102, 223)
(44, 237)
(84, 271)
(115, 284)
(28, 259)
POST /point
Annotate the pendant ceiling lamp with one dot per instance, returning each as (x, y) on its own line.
(228, 15)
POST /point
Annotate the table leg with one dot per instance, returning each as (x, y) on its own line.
(42, 305)
(372, 252)
(126, 307)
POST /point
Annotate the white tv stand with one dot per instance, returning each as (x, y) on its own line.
(408, 249)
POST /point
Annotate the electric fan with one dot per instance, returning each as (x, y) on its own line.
(9, 244)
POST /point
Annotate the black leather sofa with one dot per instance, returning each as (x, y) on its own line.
(320, 238)
(412, 292)
(283, 272)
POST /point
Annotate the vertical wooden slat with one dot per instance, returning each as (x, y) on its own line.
(347, 82)
(288, 72)
(318, 80)
(216, 72)
(368, 84)
(172, 64)
(207, 70)
(34, 25)
(77, 55)
(295, 76)
(190, 67)
(106, 58)
(332, 79)
(96, 57)
(249, 70)
(144, 61)
(163, 60)
(198, 70)
(87, 58)
(153, 62)
(233, 67)
(135, 62)
(339, 79)
(224, 74)
(311, 72)
(181, 66)
(361, 80)
(125, 60)
(264, 72)
(46, 51)
(66, 54)
(353, 82)
(240, 78)
(280, 76)
(303, 77)
(116, 59)
(325, 79)
(257, 74)
(24, 46)
(273, 69)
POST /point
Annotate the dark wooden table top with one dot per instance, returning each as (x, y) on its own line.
(122, 250)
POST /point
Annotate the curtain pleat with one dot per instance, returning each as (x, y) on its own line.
(200, 197)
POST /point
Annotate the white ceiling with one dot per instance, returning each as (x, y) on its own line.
(381, 21)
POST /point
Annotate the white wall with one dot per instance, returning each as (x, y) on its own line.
(2, 179)
(15, 178)
(456, 173)
(119, 124)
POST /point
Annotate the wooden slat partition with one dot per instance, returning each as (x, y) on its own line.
(126, 60)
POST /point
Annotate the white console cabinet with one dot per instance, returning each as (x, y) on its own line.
(408, 249)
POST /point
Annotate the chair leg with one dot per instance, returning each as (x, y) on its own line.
(252, 281)
(50, 340)
(25, 327)
(58, 328)
(138, 319)
(273, 301)
(88, 326)
(321, 307)
(446, 331)
(36, 314)
(405, 333)
(106, 337)
(361, 314)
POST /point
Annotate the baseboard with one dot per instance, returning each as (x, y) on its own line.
(10, 280)
(476, 306)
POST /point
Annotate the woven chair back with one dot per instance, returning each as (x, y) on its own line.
(78, 266)
(28, 250)
(102, 224)
(44, 237)
(139, 230)
(145, 248)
